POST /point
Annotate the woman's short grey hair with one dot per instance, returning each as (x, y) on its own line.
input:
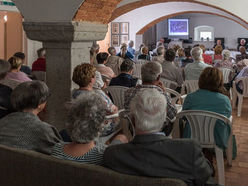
(196, 53)
(150, 71)
(226, 54)
(85, 118)
(4, 68)
(29, 95)
(149, 110)
(160, 51)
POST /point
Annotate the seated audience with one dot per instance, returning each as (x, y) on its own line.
(226, 62)
(151, 73)
(130, 47)
(24, 68)
(219, 43)
(15, 73)
(124, 53)
(104, 70)
(160, 55)
(144, 54)
(85, 122)
(193, 70)
(207, 58)
(211, 97)
(153, 154)
(217, 53)
(114, 62)
(159, 44)
(23, 129)
(5, 91)
(188, 58)
(180, 55)
(242, 44)
(84, 76)
(242, 55)
(137, 53)
(40, 63)
(170, 71)
(125, 78)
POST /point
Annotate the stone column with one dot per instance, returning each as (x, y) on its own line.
(67, 45)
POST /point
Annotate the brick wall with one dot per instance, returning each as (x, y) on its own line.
(96, 11)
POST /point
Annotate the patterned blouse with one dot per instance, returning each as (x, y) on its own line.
(93, 156)
(131, 92)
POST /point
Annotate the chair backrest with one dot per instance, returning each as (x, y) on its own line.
(202, 125)
(117, 94)
(244, 81)
(39, 75)
(190, 86)
(226, 72)
(176, 96)
(137, 70)
(169, 84)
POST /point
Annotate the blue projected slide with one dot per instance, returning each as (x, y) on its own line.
(178, 27)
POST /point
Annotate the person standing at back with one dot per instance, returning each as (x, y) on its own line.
(40, 63)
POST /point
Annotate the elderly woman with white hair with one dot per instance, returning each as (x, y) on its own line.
(226, 62)
(23, 129)
(153, 154)
(160, 55)
(193, 70)
(85, 122)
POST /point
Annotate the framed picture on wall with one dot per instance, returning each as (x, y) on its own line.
(115, 40)
(124, 28)
(115, 28)
(124, 39)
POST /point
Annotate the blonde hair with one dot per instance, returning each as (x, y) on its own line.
(15, 62)
(218, 50)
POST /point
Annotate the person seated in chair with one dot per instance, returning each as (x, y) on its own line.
(144, 54)
(125, 78)
(211, 96)
(114, 62)
(23, 129)
(24, 68)
(151, 73)
(151, 153)
(40, 63)
(104, 70)
(85, 122)
(242, 55)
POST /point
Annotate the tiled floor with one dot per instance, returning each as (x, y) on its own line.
(237, 175)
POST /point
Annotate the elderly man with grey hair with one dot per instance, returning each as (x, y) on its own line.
(193, 70)
(85, 122)
(151, 73)
(151, 153)
(23, 129)
(160, 55)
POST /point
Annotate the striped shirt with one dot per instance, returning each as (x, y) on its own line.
(93, 156)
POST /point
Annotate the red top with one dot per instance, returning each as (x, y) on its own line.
(207, 59)
(39, 65)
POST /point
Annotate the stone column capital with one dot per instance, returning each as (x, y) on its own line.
(65, 31)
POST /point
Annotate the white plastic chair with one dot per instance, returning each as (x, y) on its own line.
(190, 86)
(236, 94)
(202, 125)
(169, 84)
(137, 70)
(226, 73)
(176, 95)
(117, 94)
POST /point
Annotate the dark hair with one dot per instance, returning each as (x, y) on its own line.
(29, 95)
(212, 79)
(170, 55)
(83, 73)
(127, 65)
(187, 52)
(4, 68)
(20, 55)
(101, 57)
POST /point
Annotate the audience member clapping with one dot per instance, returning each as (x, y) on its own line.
(23, 129)
(151, 153)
